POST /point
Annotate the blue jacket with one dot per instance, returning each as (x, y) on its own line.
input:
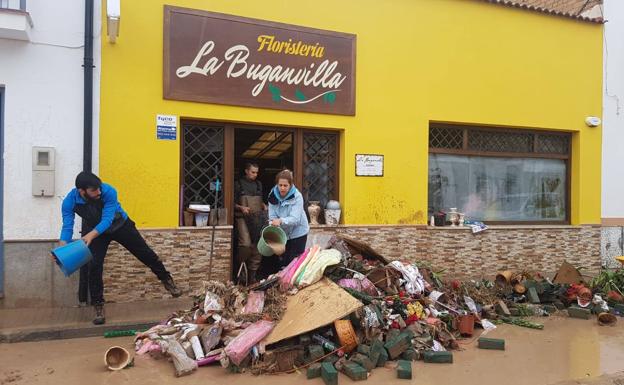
(106, 210)
(290, 210)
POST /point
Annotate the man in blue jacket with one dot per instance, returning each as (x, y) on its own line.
(104, 221)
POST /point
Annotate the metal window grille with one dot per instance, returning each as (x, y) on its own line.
(491, 141)
(452, 138)
(319, 167)
(552, 144)
(203, 164)
(446, 137)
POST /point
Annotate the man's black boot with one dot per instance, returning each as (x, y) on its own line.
(99, 315)
(171, 287)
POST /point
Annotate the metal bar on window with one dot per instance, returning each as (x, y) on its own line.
(23, 5)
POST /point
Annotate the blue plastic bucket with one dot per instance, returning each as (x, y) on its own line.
(72, 256)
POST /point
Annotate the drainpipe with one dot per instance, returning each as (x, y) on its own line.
(87, 151)
(88, 87)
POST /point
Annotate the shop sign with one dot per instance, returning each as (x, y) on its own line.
(166, 127)
(369, 165)
(216, 58)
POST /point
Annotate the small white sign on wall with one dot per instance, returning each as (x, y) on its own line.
(166, 127)
(369, 165)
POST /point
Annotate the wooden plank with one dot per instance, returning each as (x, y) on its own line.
(313, 307)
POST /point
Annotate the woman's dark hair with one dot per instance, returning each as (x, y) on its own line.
(284, 174)
(86, 180)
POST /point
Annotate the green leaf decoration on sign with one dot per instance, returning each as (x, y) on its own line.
(330, 97)
(275, 93)
(299, 95)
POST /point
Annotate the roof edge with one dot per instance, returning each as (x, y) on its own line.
(513, 4)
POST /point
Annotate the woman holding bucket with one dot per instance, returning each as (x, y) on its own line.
(286, 211)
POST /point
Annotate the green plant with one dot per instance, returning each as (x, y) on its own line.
(609, 280)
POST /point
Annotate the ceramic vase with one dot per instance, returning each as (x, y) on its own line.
(314, 209)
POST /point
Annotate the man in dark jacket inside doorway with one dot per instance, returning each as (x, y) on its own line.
(104, 220)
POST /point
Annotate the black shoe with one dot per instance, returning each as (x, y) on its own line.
(99, 315)
(171, 287)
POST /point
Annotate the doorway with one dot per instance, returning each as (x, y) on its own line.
(271, 150)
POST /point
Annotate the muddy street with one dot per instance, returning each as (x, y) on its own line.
(567, 351)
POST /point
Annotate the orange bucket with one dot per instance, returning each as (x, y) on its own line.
(346, 335)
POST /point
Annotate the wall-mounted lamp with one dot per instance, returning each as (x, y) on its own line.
(592, 121)
(113, 16)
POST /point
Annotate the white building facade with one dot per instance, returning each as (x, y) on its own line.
(41, 86)
(613, 134)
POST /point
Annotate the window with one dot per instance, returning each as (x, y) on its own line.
(320, 167)
(499, 176)
(202, 164)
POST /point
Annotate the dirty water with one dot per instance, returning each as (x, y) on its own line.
(567, 351)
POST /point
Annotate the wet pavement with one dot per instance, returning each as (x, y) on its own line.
(567, 351)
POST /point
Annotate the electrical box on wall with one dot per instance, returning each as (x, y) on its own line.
(43, 171)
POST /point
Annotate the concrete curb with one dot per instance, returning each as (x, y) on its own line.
(78, 331)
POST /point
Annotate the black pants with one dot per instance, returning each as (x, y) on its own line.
(130, 238)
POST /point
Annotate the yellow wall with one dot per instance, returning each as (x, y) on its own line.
(417, 61)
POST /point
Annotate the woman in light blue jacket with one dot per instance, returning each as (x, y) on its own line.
(286, 211)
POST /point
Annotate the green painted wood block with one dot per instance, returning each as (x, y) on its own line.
(354, 371)
(619, 307)
(532, 295)
(398, 345)
(331, 359)
(491, 343)
(579, 312)
(392, 334)
(383, 358)
(410, 355)
(329, 374)
(364, 361)
(313, 371)
(438, 357)
(559, 305)
(364, 349)
(375, 351)
(404, 369)
(315, 352)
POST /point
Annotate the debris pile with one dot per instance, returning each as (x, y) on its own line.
(342, 307)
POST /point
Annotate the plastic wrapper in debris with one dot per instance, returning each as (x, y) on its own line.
(314, 271)
(212, 303)
(601, 303)
(414, 282)
(197, 348)
(437, 347)
(487, 326)
(360, 283)
(471, 304)
(240, 346)
(255, 303)
(370, 318)
(210, 336)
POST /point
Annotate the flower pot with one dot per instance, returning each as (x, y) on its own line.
(503, 278)
(466, 324)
